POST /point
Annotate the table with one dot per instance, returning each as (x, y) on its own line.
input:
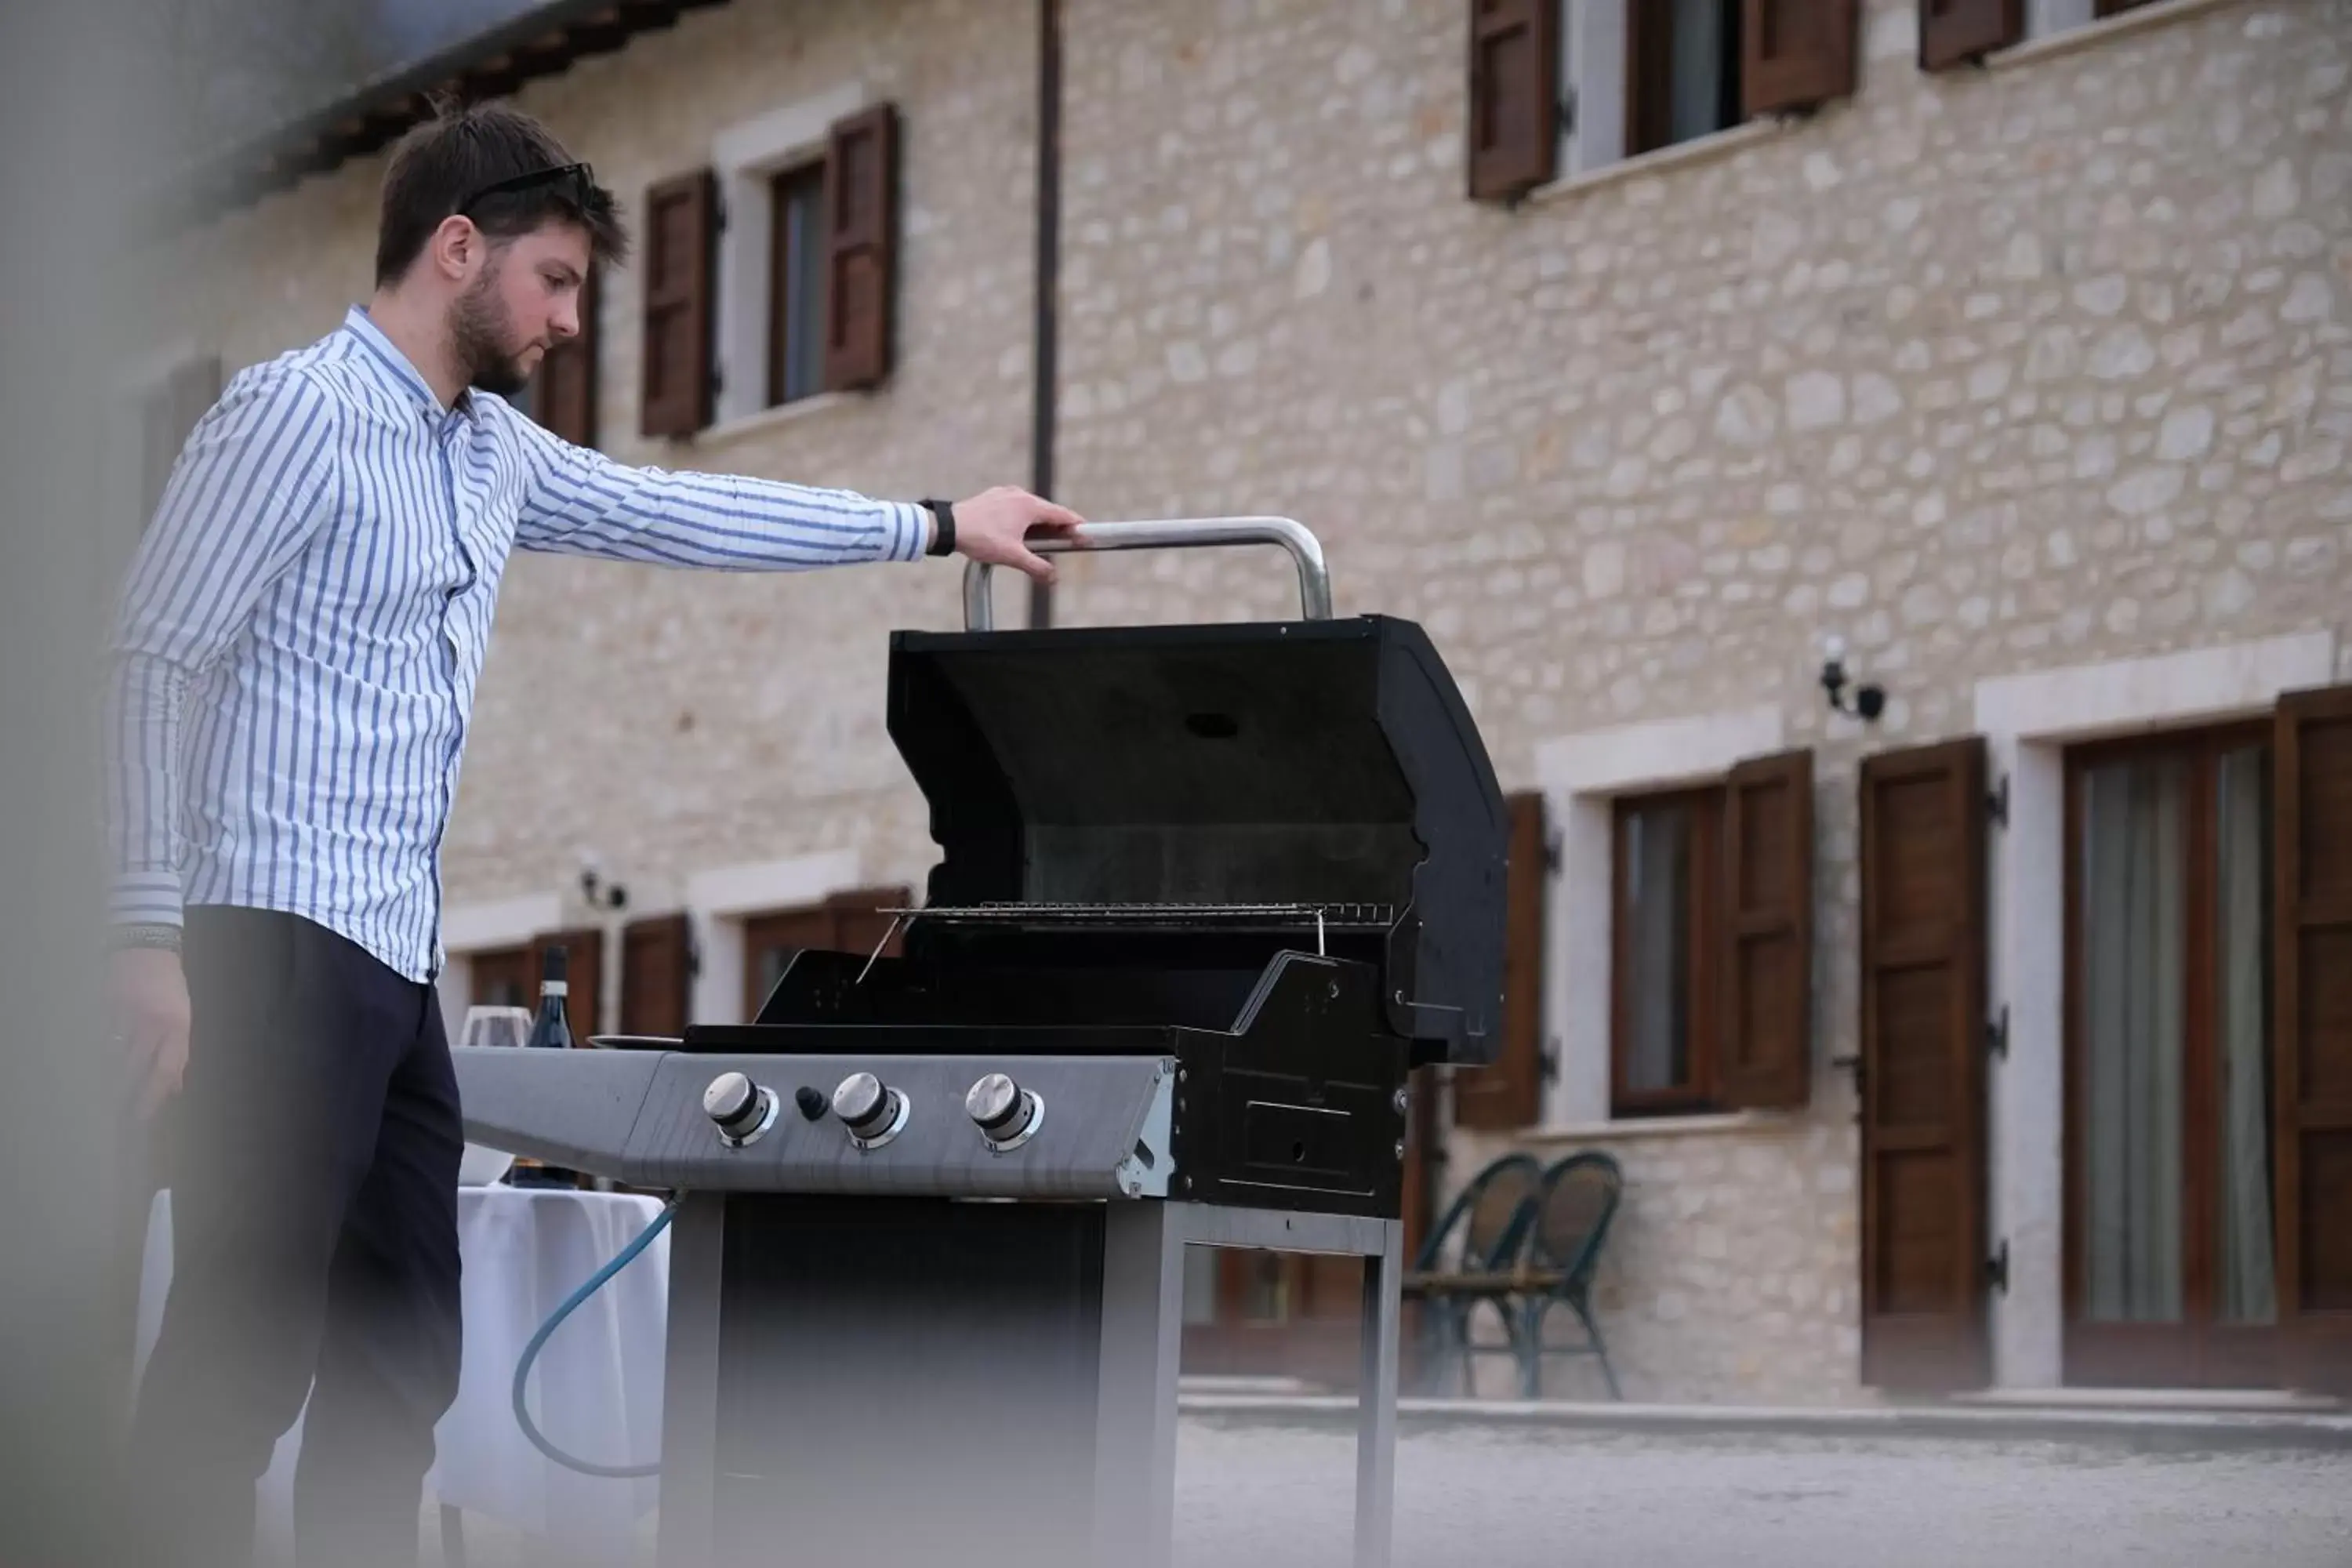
(595, 1392)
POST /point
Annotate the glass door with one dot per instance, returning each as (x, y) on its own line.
(2168, 1154)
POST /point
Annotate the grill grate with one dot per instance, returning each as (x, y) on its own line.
(1180, 917)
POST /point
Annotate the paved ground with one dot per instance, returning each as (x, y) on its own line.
(1251, 1491)
(1256, 1490)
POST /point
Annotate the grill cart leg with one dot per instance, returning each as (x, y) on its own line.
(1376, 1400)
(1380, 1244)
(1142, 1338)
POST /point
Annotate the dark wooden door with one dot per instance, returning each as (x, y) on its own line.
(658, 969)
(1922, 1072)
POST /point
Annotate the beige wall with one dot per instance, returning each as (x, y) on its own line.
(1987, 374)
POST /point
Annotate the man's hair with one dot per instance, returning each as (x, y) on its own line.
(443, 163)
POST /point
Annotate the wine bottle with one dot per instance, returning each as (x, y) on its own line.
(550, 1030)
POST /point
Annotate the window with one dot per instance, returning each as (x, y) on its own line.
(771, 275)
(1961, 32)
(1568, 87)
(796, 284)
(1711, 946)
(1665, 918)
(1682, 77)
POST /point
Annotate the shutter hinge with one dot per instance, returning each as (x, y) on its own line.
(1997, 802)
(1997, 1270)
(1568, 112)
(1551, 851)
(1997, 1033)
(1548, 1062)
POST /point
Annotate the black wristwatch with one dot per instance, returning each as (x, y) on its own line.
(944, 536)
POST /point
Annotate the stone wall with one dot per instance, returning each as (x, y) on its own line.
(2036, 366)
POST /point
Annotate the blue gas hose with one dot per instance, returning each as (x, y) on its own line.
(597, 1282)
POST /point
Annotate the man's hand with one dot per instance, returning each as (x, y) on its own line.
(995, 526)
(150, 1010)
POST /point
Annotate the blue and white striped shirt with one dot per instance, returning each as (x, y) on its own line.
(303, 628)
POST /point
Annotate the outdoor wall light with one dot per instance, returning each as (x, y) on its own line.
(1869, 701)
(599, 893)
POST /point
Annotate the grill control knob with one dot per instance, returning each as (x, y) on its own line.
(1006, 1114)
(740, 1108)
(870, 1109)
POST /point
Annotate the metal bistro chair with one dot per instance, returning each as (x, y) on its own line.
(1491, 1213)
(1573, 1205)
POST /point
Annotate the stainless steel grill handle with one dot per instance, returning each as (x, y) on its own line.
(1173, 534)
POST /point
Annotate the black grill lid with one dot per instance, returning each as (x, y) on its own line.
(1328, 762)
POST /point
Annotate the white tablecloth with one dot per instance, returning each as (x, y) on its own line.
(595, 1391)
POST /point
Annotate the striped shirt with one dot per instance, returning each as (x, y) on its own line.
(302, 629)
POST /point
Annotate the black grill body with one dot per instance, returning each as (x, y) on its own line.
(1273, 852)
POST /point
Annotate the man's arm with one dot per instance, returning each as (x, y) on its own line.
(246, 496)
(580, 502)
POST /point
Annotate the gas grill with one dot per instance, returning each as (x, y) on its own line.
(1206, 894)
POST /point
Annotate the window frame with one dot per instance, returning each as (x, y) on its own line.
(1697, 1095)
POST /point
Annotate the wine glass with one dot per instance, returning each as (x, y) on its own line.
(496, 1026)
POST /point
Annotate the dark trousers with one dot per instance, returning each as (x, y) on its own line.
(312, 1156)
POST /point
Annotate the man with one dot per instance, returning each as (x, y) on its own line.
(300, 641)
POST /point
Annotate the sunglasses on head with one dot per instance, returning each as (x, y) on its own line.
(578, 179)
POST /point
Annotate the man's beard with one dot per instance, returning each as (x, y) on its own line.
(479, 329)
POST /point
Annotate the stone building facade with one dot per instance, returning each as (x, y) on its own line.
(2031, 381)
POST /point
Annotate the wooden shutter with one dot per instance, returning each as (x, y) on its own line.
(2312, 1037)
(861, 208)
(167, 416)
(1508, 1093)
(1766, 1016)
(1923, 1074)
(583, 955)
(1796, 54)
(1513, 96)
(657, 965)
(565, 398)
(1956, 32)
(680, 218)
